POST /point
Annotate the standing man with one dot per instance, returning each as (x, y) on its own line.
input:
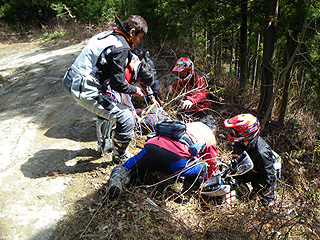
(100, 65)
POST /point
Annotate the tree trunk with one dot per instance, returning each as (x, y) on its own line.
(280, 82)
(255, 63)
(236, 60)
(243, 48)
(231, 50)
(290, 47)
(269, 49)
(220, 55)
(210, 39)
(257, 77)
(123, 2)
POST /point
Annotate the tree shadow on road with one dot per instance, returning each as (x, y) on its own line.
(35, 90)
(51, 162)
(78, 131)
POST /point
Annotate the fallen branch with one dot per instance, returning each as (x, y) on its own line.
(180, 96)
(94, 215)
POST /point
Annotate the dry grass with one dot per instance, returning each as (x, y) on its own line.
(294, 214)
(60, 31)
(150, 214)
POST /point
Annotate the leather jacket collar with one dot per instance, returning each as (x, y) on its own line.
(126, 35)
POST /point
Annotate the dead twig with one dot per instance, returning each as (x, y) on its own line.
(155, 206)
(94, 215)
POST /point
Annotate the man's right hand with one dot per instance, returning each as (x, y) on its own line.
(139, 93)
(170, 89)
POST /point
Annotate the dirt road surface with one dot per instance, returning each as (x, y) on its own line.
(49, 165)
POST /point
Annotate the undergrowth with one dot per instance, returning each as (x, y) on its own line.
(153, 213)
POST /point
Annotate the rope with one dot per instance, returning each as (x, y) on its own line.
(145, 100)
(160, 112)
(137, 124)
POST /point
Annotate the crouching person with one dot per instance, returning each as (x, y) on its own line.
(244, 133)
(100, 65)
(169, 156)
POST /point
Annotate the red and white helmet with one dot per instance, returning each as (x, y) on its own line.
(184, 64)
(243, 127)
(131, 70)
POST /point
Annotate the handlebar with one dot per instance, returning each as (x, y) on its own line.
(238, 166)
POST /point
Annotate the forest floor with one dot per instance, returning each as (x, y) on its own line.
(52, 178)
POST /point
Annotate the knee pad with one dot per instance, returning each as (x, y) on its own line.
(104, 128)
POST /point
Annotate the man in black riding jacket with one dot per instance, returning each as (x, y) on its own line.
(244, 133)
(101, 65)
(156, 93)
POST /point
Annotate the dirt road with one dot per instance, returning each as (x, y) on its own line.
(47, 143)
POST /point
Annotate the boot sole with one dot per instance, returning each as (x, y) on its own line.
(114, 192)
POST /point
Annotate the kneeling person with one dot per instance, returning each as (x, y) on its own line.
(169, 156)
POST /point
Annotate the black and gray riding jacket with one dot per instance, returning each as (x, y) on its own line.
(102, 61)
(261, 155)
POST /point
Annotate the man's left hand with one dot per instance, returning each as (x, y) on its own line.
(139, 93)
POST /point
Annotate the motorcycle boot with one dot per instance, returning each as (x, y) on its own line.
(120, 153)
(119, 178)
(104, 128)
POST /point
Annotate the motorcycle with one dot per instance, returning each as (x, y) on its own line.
(225, 184)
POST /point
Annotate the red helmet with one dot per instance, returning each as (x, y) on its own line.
(131, 70)
(184, 64)
(139, 70)
(243, 127)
